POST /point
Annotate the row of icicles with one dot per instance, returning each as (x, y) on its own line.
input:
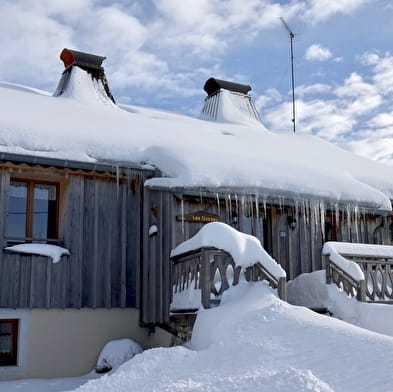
(309, 211)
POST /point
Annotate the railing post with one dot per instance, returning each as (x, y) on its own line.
(361, 295)
(205, 279)
(328, 269)
(282, 289)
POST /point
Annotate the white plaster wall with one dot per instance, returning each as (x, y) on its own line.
(67, 342)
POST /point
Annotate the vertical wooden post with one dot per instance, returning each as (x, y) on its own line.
(327, 269)
(205, 279)
(361, 296)
(282, 289)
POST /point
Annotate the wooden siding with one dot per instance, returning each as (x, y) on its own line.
(297, 250)
(100, 222)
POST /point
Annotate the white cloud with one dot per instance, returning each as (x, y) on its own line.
(31, 42)
(319, 10)
(381, 120)
(317, 88)
(335, 117)
(373, 144)
(382, 67)
(369, 58)
(317, 52)
(355, 86)
(271, 96)
(383, 77)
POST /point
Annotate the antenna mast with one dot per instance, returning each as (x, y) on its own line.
(291, 36)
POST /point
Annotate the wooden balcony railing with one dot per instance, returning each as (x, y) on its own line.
(376, 282)
(213, 271)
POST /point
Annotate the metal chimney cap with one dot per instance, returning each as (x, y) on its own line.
(87, 60)
(213, 85)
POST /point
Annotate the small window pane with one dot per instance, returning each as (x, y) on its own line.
(44, 211)
(17, 209)
(8, 342)
(5, 338)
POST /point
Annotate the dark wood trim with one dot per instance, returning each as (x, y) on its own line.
(30, 207)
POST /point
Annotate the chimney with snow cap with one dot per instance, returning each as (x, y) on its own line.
(228, 102)
(88, 62)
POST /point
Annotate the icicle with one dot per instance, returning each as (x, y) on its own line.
(303, 212)
(264, 207)
(252, 209)
(218, 205)
(356, 222)
(322, 218)
(117, 181)
(348, 211)
(258, 223)
(256, 207)
(182, 215)
(337, 216)
(296, 209)
(229, 208)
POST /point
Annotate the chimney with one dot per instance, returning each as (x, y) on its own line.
(228, 102)
(86, 61)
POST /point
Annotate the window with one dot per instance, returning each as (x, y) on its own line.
(32, 211)
(8, 342)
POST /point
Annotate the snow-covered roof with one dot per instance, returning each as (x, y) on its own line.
(82, 125)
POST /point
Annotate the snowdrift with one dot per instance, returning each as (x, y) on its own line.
(255, 342)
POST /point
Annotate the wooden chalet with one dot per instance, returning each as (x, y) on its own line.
(120, 228)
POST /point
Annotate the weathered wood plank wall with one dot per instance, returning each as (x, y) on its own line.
(100, 225)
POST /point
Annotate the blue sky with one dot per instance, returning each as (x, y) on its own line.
(160, 53)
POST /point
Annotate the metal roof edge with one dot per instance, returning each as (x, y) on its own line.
(99, 166)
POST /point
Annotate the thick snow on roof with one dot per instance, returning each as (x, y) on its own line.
(80, 125)
(245, 249)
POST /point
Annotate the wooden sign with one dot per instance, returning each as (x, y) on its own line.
(198, 217)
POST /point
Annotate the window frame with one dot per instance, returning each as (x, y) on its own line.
(13, 359)
(28, 237)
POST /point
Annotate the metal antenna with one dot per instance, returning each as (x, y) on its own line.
(291, 36)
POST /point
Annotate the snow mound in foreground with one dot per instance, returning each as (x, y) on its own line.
(115, 353)
(255, 342)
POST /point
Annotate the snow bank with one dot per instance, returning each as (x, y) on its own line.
(53, 251)
(311, 290)
(255, 342)
(115, 353)
(333, 249)
(79, 126)
(245, 249)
